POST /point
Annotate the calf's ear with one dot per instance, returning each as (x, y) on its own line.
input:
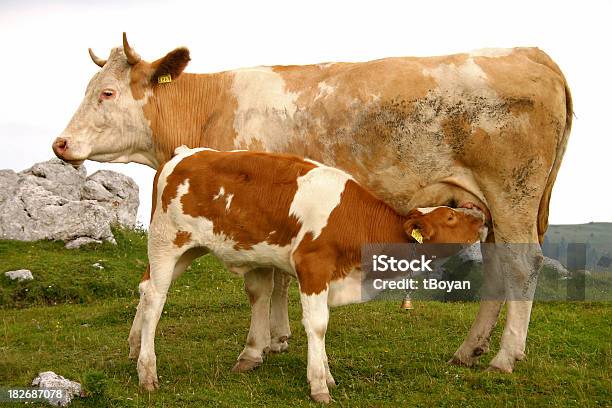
(423, 226)
(168, 68)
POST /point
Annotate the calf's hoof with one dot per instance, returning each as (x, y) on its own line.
(244, 365)
(322, 398)
(150, 385)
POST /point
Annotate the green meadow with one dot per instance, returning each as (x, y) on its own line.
(74, 319)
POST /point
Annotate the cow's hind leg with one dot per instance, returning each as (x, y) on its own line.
(521, 264)
(492, 299)
(517, 257)
(258, 285)
(280, 331)
(182, 264)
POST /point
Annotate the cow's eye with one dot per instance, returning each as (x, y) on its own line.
(107, 94)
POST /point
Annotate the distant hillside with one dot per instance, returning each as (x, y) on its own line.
(596, 235)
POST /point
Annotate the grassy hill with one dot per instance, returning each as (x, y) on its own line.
(74, 319)
(596, 235)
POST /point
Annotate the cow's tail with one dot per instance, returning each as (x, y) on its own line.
(561, 145)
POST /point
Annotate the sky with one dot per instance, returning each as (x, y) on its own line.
(44, 65)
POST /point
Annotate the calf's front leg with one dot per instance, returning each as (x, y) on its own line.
(315, 318)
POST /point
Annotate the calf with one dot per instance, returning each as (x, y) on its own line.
(255, 210)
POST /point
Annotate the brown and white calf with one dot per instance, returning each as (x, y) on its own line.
(256, 210)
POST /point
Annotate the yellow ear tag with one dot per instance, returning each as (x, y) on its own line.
(164, 79)
(416, 234)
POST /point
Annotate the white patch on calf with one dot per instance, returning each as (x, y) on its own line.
(318, 193)
(220, 194)
(228, 201)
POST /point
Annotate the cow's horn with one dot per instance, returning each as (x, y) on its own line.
(98, 61)
(131, 55)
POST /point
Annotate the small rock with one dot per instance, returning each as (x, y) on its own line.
(79, 242)
(20, 275)
(97, 265)
(50, 380)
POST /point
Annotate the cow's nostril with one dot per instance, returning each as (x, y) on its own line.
(60, 145)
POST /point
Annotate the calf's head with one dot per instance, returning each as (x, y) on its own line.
(445, 225)
(110, 124)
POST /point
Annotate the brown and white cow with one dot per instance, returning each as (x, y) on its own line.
(493, 123)
(255, 210)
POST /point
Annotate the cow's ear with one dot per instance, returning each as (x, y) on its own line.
(168, 68)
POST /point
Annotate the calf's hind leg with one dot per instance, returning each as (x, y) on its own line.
(153, 300)
(182, 264)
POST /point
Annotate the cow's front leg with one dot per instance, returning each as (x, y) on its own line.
(521, 264)
(280, 331)
(258, 285)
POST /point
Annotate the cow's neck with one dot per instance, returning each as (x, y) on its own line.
(195, 110)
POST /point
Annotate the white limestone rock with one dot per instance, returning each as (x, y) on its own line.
(19, 275)
(50, 380)
(56, 201)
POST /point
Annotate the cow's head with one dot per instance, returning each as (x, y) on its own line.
(110, 124)
(445, 225)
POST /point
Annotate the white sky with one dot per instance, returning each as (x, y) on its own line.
(44, 66)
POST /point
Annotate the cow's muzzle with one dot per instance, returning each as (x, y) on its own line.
(60, 148)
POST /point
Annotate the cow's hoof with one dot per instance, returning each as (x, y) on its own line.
(504, 361)
(279, 345)
(243, 366)
(457, 361)
(498, 369)
(322, 398)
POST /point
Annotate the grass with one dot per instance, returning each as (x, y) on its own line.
(380, 355)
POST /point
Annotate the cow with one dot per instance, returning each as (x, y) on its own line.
(254, 210)
(493, 123)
